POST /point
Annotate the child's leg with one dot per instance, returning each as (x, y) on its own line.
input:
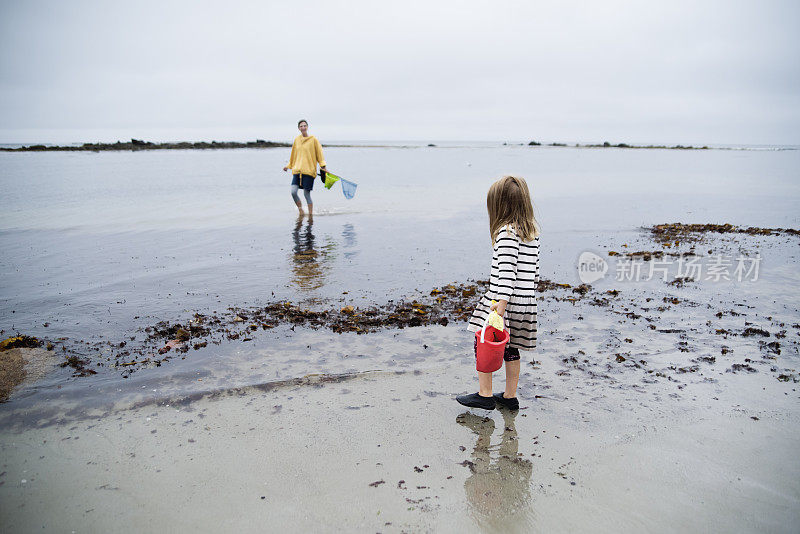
(511, 358)
(512, 379)
(485, 383)
(484, 379)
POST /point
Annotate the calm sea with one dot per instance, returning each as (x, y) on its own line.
(98, 245)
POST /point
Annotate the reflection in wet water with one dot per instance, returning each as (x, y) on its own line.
(312, 262)
(498, 490)
(307, 261)
(349, 240)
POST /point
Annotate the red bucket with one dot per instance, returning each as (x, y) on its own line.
(489, 352)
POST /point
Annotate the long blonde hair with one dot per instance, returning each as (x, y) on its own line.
(509, 203)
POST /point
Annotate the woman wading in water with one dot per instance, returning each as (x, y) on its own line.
(306, 153)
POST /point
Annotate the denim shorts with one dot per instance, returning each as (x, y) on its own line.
(509, 355)
(308, 181)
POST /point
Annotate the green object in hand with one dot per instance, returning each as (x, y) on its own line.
(330, 179)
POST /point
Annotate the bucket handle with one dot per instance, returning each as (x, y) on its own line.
(486, 324)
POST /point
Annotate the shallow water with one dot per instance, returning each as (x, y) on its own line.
(98, 246)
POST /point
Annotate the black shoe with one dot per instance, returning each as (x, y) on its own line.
(474, 400)
(511, 404)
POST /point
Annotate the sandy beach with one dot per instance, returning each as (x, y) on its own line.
(636, 417)
(391, 451)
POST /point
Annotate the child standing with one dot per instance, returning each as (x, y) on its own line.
(512, 284)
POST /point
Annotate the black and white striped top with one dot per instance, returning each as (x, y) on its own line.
(514, 277)
(515, 266)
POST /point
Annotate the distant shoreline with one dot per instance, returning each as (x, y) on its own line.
(625, 145)
(138, 144)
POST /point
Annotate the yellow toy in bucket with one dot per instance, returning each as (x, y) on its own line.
(495, 320)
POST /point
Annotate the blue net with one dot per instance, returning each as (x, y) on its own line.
(348, 188)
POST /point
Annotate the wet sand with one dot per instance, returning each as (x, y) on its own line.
(389, 451)
(658, 408)
(24, 366)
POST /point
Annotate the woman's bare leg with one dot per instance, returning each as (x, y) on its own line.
(296, 198)
(309, 203)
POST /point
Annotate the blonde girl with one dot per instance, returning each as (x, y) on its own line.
(514, 232)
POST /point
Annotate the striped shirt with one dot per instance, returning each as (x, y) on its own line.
(515, 266)
(514, 277)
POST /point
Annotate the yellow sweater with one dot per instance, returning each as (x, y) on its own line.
(306, 153)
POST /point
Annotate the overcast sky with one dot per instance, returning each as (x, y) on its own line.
(674, 72)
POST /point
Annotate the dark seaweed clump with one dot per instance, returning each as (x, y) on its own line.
(666, 233)
(441, 306)
(20, 342)
(165, 340)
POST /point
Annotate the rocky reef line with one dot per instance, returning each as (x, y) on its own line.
(138, 144)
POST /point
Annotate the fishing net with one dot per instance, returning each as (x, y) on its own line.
(348, 188)
(330, 179)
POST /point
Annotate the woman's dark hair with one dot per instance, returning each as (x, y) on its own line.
(301, 121)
